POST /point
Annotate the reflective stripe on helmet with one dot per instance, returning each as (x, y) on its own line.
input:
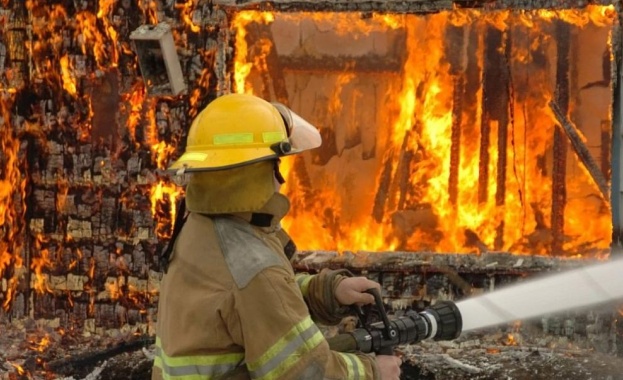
(193, 367)
(286, 352)
(356, 370)
(233, 138)
(271, 137)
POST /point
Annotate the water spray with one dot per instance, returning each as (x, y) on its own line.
(584, 287)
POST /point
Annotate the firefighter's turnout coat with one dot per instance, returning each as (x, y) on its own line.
(231, 306)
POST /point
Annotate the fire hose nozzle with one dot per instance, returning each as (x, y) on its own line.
(441, 321)
(444, 320)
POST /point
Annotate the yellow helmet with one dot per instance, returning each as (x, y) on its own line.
(240, 129)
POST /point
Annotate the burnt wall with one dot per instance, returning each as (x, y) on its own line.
(85, 206)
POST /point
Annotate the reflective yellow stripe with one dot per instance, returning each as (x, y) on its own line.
(284, 354)
(303, 280)
(195, 367)
(193, 156)
(233, 138)
(356, 369)
(270, 137)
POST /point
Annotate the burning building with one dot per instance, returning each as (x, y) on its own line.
(473, 139)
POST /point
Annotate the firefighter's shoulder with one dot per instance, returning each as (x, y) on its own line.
(245, 253)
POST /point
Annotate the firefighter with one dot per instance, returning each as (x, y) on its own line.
(231, 306)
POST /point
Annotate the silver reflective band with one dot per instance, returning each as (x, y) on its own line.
(196, 366)
(432, 323)
(301, 343)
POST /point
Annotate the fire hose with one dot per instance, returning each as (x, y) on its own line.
(441, 321)
(593, 285)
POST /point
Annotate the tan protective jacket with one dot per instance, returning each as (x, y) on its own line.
(231, 306)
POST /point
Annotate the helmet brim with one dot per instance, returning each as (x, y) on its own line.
(221, 159)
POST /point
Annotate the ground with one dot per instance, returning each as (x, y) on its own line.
(511, 353)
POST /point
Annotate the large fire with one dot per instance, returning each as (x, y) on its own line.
(419, 157)
(55, 58)
(413, 159)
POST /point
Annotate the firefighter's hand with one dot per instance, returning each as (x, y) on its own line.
(351, 290)
(389, 367)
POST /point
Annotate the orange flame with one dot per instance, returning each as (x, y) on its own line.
(12, 199)
(418, 106)
(41, 345)
(40, 262)
(510, 340)
(20, 370)
(186, 10)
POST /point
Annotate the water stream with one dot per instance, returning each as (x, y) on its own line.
(584, 287)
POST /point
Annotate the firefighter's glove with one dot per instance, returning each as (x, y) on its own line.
(351, 290)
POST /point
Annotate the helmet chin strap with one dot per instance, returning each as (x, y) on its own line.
(278, 177)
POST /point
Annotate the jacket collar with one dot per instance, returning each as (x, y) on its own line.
(270, 215)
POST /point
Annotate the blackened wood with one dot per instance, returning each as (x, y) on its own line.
(369, 63)
(559, 171)
(382, 191)
(403, 172)
(458, 85)
(273, 77)
(483, 162)
(455, 54)
(503, 110)
(494, 103)
(401, 6)
(606, 149)
(70, 365)
(431, 262)
(581, 150)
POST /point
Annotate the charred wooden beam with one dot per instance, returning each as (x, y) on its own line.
(455, 147)
(400, 6)
(403, 184)
(581, 150)
(494, 107)
(71, 365)
(617, 140)
(483, 163)
(606, 149)
(369, 63)
(382, 191)
(503, 110)
(559, 170)
(430, 262)
(272, 78)
(455, 50)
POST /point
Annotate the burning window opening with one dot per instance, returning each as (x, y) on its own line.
(415, 110)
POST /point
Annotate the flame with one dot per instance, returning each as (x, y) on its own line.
(89, 287)
(41, 345)
(240, 23)
(510, 340)
(186, 10)
(408, 185)
(150, 9)
(164, 196)
(12, 200)
(40, 262)
(69, 82)
(20, 370)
